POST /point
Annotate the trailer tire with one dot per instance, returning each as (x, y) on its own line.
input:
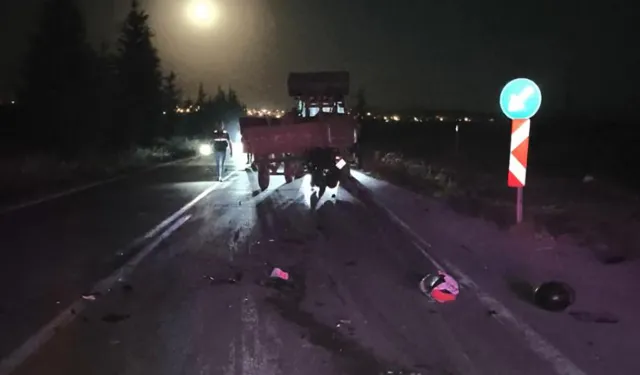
(289, 169)
(332, 178)
(345, 174)
(263, 176)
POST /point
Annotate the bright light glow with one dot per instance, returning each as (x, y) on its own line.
(202, 12)
(205, 149)
(239, 156)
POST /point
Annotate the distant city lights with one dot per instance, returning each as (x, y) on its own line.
(188, 109)
(263, 112)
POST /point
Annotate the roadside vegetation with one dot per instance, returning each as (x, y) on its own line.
(579, 200)
(83, 112)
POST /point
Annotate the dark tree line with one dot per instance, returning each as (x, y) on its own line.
(76, 99)
(214, 112)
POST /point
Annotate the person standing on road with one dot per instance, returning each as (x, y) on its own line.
(221, 142)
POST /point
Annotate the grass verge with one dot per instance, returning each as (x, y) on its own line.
(32, 176)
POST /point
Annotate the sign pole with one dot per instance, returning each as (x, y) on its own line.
(457, 139)
(519, 205)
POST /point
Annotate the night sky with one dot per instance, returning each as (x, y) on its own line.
(453, 54)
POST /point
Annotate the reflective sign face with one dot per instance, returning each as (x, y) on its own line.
(520, 99)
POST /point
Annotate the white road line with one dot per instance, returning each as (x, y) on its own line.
(78, 189)
(187, 207)
(29, 347)
(35, 342)
(538, 344)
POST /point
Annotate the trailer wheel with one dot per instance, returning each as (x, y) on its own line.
(332, 178)
(263, 176)
(345, 174)
(289, 169)
(298, 170)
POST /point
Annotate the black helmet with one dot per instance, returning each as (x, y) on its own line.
(554, 296)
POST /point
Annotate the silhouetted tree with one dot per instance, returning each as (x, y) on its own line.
(201, 98)
(104, 98)
(234, 109)
(360, 108)
(139, 80)
(171, 100)
(223, 108)
(58, 84)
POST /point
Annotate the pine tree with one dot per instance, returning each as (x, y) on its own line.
(139, 80)
(58, 84)
(104, 75)
(220, 107)
(234, 110)
(201, 98)
(361, 104)
(172, 96)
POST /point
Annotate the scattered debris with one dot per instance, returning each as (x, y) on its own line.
(440, 287)
(279, 274)
(614, 259)
(127, 288)
(226, 280)
(589, 317)
(343, 322)
(91, 296)
(115, 318)
(554, 296)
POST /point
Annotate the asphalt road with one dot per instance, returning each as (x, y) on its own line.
(202, 302)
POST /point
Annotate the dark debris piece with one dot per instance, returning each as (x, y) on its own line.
(115, 318)
(589, 317)
(235, 279)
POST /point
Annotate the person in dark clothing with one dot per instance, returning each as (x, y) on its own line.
(221, 142)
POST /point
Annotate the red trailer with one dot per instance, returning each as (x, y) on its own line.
(317, 136)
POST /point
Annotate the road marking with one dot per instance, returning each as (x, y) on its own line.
(36, 341)
(29, 347)
(187, 207)
(81, 188)
(538, 344)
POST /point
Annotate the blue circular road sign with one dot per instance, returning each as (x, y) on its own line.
(520, 99)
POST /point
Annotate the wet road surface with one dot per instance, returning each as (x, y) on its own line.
(203, 303)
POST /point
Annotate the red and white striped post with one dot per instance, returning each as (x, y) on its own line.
(520, 100)
(518, 160)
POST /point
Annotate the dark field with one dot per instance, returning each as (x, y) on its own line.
(600, 212)
(558, 147)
